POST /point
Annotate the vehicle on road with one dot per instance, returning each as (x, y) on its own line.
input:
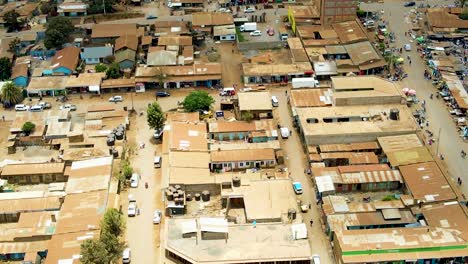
(284, 132)
(36, 108)
(316, 259)
(134, 180)
(224, 10)
(274, 101)
(408, 47)
(256, 33)
(151, 17)
(116, 98)
(407, 4)
(126, 255)
(68, 106)
(249, 10)
(132, 209)
(162, 94)
(228, 91)
(157, 217)
(157, 161)
(21, 107)
(369, 23)
(297, 187)
(45, 105)
(158, 133)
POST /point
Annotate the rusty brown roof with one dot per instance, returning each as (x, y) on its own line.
(442, 18)
(211, 19)
(126, 41)
(67, 57)
(113, 31)
(19, 70)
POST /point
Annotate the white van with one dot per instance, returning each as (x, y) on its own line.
(134, 180)
(157, 162)
(274, 101)
(36, 108)
(284, 132)
(126, 255)
(316, 259)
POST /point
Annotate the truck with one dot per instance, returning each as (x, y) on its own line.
(251, 26)
(308, 82)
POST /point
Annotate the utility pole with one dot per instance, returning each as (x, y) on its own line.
(104, 6)
(438, 141)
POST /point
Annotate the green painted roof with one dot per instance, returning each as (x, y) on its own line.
(127, 54)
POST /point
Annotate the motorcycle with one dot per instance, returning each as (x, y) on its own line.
(146, 185)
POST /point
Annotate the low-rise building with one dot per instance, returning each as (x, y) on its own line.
(204, 22)
(95, 54)
(443, 20)
(65, 61)
(33, 173)
(20, 74)
(254, 132)
(72, 9)
(230, 160)
(224, 33)
(125, 59)
(47, 86)
(274, 73)
(108, 33)
(258, 104)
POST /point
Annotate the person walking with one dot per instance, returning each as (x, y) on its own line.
(311, 222)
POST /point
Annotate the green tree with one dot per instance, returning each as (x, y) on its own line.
(13, 46)
(58, 32)
(12, 20)
(127, 170)
(46, 8)
(461, 3)
(93, 251)
(11, 94)
(247, 116)
(156, 116)
(28, 127)
(5, 68)
(198, 100)
(113, 72)
(100, 67)
(96, 7)
(463, 16)
(108, 248)
(161, 78)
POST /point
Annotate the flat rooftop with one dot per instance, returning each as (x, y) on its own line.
(428, 174)
(253, 69)
(272, 242)
(264, 200)
(251, 101)
(409, 156)
(399, 142)
(375, 122)
(33, 168)
(311, 97)
(395, 244)
(242, 155)
(186, 136)
(363, 86)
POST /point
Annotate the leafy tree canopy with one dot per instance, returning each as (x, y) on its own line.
(100, 67)
(113, 72)
(198, 100)
(155, 116)
(58, 31)
(28, 127)
(5, 68)
(11, 94)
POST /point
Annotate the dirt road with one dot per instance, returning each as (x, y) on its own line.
(296, 162)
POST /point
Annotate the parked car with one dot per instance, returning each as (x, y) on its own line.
(158, 134)
(68, 106)
(134, 180)
(116, 98)
(369, 23)
(151, 17)
(45, 105)
(36, 108)
(21, 107)
(285, 133)
(249, 10)
(297, 186)
(157, 217)
(162, 94)
(316, 259)
(224, 10)
(126, 255)
(256, 33)
(407, 4)
(408, 47)
(132, 208)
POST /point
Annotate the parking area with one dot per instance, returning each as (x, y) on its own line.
(272, 27)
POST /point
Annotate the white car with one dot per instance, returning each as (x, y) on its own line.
(36, 108)
(134, 180)
(132, 208)
(116, 98)
(68, 106)
(224, 10)
(126, 255)
(249, 10)
(256, 33)
(21, 107)
(157, 217)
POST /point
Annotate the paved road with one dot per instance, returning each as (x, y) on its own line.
(450, 143)
(296, 162)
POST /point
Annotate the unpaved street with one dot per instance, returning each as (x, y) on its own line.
(439, 118)
(296, 162)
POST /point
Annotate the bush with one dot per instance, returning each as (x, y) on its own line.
(463, 16)
(100, 67)
(198, 100)
(28, 127)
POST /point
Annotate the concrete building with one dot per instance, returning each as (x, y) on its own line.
(96, 54)
(31, 173)
(257, 103)
(230, 160)
(278, 73)
(347, 124)
(72, 9)
(254, 132)
(47, 86)
(224, 33)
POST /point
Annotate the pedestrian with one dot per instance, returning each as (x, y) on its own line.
(311, 222)
(3, 118)
(310, 206)
(460, 183)
(427, 123)
(286, 92)
(232, 50)
(409, 62)
(458, 180)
